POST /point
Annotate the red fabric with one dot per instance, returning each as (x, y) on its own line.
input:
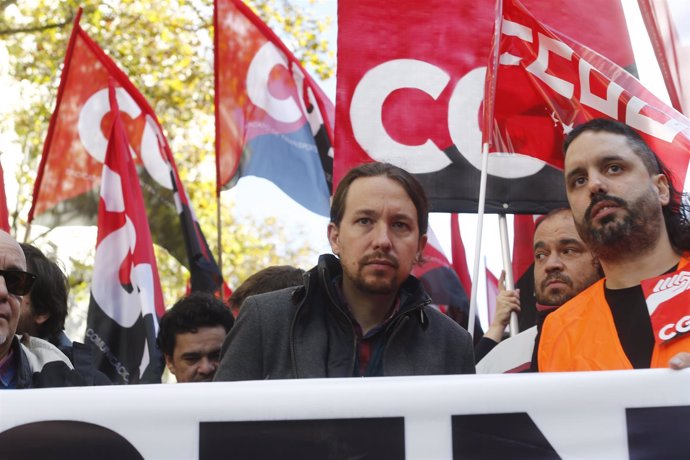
(75, 148)
(459, 255)
(523, 250)
(533, 112)
(74, 151)
(246, 107)
(491, 294)
(388, 50)
(121, 208)
(663, 23)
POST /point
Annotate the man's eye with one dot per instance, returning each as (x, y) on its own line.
(539, 256)
(364, 221)
(614, 168)
(579, 181)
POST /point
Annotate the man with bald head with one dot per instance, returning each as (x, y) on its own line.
(25, 362)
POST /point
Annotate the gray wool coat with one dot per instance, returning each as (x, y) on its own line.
(304, 332)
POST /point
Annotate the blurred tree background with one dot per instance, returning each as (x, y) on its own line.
(166, 48)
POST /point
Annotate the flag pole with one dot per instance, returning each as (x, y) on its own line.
(478, 240)
(487, 124)
(508, 268)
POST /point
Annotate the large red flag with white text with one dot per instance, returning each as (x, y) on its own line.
(410, 89)
(126, 297)
(272, 119)
(544, 87)
(667, 24)
(66, 187)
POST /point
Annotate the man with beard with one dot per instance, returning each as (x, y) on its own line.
(362, 313)
(628, 212)
(563, 266)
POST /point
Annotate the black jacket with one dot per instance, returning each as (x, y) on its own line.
(304, 332)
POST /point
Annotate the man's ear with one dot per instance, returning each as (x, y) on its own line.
(42, 318)
(334, 238)
(169, 363)
(420, 250)
(663, 188)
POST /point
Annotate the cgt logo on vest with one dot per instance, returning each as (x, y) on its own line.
(668, 303)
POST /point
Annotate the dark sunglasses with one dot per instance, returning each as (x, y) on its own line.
(17, 281)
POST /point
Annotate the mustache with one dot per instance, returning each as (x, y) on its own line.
(598, 198)
(557, 276)
(379, 256)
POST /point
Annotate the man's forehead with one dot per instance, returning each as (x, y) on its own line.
(11, 254)
(594, 145)
(555, 228)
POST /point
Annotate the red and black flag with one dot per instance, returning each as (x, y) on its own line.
(66, 187)
(126, 296)
(410, 92)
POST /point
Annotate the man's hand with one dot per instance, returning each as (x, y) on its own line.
(506, 302)
(680, 361)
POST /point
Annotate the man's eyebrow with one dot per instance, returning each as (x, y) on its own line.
(539, 245)
(575, 172)
(568, 241)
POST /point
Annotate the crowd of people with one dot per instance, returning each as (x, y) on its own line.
(359, 312)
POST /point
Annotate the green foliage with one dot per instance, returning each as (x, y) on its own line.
(166, 48)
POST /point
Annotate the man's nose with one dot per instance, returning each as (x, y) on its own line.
(207, 366)
(382, 240)
(553, 263)
(597, 184)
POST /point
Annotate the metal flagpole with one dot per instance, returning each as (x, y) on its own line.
(478, 241)
(508, 267)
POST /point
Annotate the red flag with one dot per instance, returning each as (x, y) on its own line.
(4, 213)
(126, 296)
(523, 269)
(458, 253)
(66, 187)
(272, 120)
(491, 294)
(666, 23)
(409, 92)
(544, 87)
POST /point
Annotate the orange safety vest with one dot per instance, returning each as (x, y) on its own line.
(582, 336)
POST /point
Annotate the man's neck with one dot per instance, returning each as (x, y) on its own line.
(634, 267)
(368, 310)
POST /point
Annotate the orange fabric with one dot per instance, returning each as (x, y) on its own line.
(582, 336)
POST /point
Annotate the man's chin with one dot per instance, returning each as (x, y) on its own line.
(377, 286)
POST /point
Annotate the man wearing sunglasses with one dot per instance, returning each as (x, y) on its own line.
(25, 362)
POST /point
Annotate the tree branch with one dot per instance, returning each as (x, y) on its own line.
(32, 29)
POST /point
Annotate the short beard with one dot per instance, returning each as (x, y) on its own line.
(379, 286)
(619, 237)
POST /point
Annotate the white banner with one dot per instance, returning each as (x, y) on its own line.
(597, 415)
